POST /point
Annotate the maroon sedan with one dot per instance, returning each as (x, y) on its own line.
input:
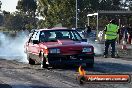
(58, 46)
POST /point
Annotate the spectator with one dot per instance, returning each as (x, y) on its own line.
(130, 34)
(111, 33)
(87, 31)
(120, 34)
(125, 33)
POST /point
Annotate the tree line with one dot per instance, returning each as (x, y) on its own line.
(53, 12)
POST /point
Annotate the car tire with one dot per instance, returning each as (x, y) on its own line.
(90, 65)
(31, 61)
(81, 80)
(43, 62)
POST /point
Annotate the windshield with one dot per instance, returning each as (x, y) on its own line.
(54, 35)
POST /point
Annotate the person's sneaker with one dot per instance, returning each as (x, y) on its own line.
(112, 56)
(105, 56)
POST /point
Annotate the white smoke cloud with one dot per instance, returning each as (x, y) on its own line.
(12, 48)
(98, 48)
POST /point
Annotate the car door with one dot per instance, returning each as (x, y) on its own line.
(28, 43)
(34, 48)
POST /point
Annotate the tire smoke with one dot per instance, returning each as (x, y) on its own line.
(98, 48)
(12, 47)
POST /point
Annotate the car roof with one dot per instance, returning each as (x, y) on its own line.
(33, 30)
(55, 28)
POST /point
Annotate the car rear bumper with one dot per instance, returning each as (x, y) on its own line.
(70, 59)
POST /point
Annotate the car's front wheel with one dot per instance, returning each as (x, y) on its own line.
(90, 65)
(43, 61)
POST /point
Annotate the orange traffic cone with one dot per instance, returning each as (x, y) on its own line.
(124, 47)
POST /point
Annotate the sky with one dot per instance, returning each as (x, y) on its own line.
(9, 5)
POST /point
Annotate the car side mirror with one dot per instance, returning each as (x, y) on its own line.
(35, 42)
(84, 40)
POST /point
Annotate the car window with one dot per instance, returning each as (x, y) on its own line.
(46, 36)
(66, 34)
(30, 36)
(54, 35)
(35, 36)
(76, 37)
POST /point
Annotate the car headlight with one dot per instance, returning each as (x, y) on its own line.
(55, 50)
(87, 49)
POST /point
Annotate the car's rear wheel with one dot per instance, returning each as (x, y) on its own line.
(30, 60)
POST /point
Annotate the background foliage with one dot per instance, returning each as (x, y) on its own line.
(53, 12)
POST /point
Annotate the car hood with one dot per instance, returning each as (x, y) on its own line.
(68, 47)
(64, 43)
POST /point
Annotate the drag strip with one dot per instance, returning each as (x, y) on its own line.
(21, 75)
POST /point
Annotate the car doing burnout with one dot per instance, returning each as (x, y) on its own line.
(62, 46)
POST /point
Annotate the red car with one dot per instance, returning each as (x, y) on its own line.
(58, 46)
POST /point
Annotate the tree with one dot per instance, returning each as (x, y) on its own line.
(85, 7)
(0, 4)
(126, 4)
(27, 8)
(13, 22)
(16, 21)
(109, 5)
(57, 11)
(43, 7)
(1, 20)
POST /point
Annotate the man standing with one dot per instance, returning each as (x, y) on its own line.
(130, 34)
(111, 33)
(87, 31)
